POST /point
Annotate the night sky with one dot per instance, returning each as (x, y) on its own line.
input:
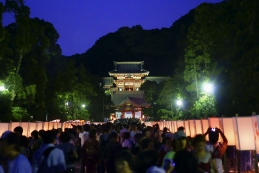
(81, 22)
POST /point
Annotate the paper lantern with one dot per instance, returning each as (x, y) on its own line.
(25, 127)
(46, 126)
(187, 128)
(13, 125)
(255, 121)
(244, 133)
(192, 128)
(4, 127)
(228, 130)
(198, 126)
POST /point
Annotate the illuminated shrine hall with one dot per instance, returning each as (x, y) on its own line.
(124, 84)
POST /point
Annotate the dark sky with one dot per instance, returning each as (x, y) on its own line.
(81, 22)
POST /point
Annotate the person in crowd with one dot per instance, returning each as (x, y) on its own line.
(90, 153)
(217, 149)
(35, 137)
(146, 162)
(122, 131)
(86, 132)
(181, 129)
(49, 159)
(146, 144)
(37, 144)
(134, 131)
(24, 145)
(127, 142)
(103, 140)
(111, 149)
(205, 160)
(123, 162)
(185, 162)
(9, 147)
(80, 131)
(69, 151)
(136, 149)
(18, 130)
(168, 147)
(179, 143)
(146, 132)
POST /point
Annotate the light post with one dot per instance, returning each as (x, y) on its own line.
(2, 88)
(208, 88)
(179, 103)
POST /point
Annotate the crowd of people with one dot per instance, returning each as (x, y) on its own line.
(112, 148)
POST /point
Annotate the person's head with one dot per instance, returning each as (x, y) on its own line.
(138, 137)
(35, 134)
(113, 137)
(86, 127)
(180, 140)
(49, 137)
(199, 142)
(79, 129)
(134, 126)
(107, 127)
(181, 128)
(165, 130)
(18, 130)
(41, 133)
(146, 160)
(64, 137)
(146, 132)
(146, 144)
(213, 137)
(126, 135)
(124, 162)
(167, 142)
(185, 162)
(9, 144)
(93, 133)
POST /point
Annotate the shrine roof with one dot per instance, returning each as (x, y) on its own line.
(129, 67)
(136, 98)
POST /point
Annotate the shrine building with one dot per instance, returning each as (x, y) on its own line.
(124, 84)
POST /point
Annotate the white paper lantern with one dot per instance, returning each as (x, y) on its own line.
(228, 129)
(244, 133)
(198, 126)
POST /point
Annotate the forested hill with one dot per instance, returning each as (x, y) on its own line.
(159, 48)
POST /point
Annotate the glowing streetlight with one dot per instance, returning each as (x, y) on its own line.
(179, 103)
(2, 88)
(83, 105)
(67, 103)
(208, 88)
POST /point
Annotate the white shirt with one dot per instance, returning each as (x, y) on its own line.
(83, 136)
(55, 162)
(19, 165)
(219, 166)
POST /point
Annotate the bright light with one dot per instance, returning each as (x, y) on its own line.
(83, 105)
(67, 103)
(2, 88)
(208, 88)
(179, 103)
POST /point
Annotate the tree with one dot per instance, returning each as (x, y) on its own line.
(20, 41)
